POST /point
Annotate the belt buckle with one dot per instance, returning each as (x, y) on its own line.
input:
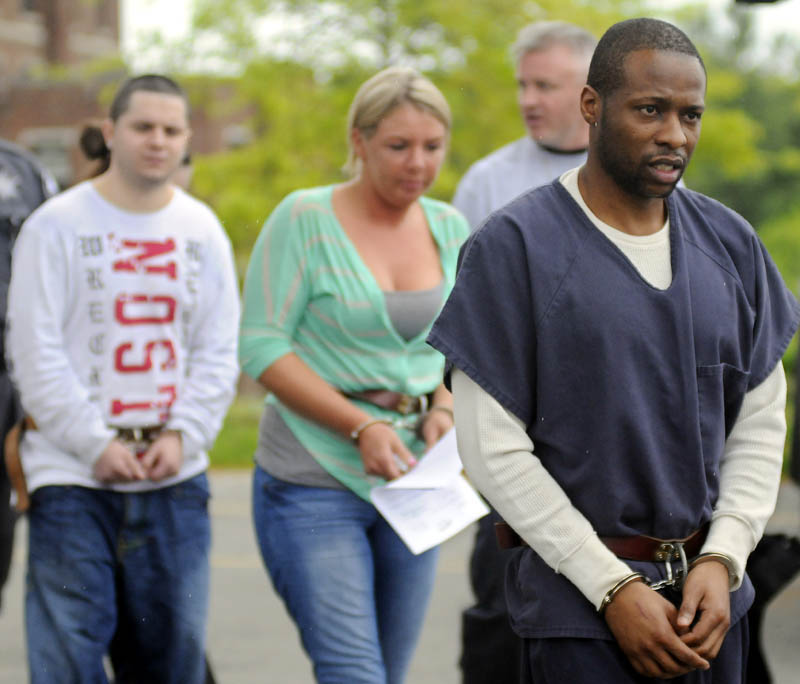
(405, 405)
(668, 553)
(423, 403)
(135, 439)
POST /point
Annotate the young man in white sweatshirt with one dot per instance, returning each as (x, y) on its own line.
(123, 311)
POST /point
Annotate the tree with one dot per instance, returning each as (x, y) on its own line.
(299, 85)
(749, 151)
(300, 97)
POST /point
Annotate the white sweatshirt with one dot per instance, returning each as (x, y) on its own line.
(120, 319)
(499, 457)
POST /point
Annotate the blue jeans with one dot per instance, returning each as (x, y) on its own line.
(355, 591)
(103, 562)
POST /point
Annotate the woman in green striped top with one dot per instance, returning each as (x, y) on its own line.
(341, 291)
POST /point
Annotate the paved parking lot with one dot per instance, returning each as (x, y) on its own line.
(252, 640)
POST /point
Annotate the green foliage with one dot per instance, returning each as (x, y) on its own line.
(299, 131)
(780, 236)
(750, 146)
(236, 442)
(300, 82)
(748, 157)
(749, 154)
(728, 150)
(299, 105)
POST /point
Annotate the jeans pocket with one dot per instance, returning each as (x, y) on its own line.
(61, 501)
(271, 486)
(69, 523)
(193, 492)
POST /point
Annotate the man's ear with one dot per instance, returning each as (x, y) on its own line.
(590, 105)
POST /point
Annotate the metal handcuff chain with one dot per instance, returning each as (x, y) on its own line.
(667, 553)
(412, 422)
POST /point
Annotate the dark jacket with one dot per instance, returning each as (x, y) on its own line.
(24, 185)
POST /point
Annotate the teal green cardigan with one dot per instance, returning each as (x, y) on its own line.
(309, 292)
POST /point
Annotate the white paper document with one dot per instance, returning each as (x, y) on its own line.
(433, 501)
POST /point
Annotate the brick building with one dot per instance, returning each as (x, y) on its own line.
(64, 32)
(45, 97)
(38, 110)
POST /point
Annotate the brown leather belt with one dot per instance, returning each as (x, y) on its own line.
(404, 404)
(138, 439)
(635, 548)
(147, 433)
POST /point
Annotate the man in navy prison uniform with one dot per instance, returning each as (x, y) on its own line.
(614, 347)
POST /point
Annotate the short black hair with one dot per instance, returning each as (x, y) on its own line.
(151, 83)
(606, 70)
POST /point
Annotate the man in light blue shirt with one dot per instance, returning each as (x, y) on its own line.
(551, 60)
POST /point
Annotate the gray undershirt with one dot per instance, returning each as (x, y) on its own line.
(411, 311)
(281, 454)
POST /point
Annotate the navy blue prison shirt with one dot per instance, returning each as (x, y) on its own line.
(628, 392)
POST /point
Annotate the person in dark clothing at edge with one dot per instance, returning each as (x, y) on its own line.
(773, 565)
(24, 185)
(619, 391)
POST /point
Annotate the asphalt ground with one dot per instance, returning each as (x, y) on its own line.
(251, 639)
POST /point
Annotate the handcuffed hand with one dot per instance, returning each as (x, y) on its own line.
(118, 463)
(644, 624)
(381, 449)
(164, 457)
(705, 612)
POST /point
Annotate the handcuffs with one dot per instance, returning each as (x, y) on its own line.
(410, 422)
(672, 554)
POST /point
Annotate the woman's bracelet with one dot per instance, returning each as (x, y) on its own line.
(446, 409)
(721, 558)
(625, 581)
(356, 432)
(358, 429)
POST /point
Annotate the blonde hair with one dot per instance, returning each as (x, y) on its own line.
(380, 95)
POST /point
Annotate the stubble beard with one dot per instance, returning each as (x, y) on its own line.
(627, 176)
